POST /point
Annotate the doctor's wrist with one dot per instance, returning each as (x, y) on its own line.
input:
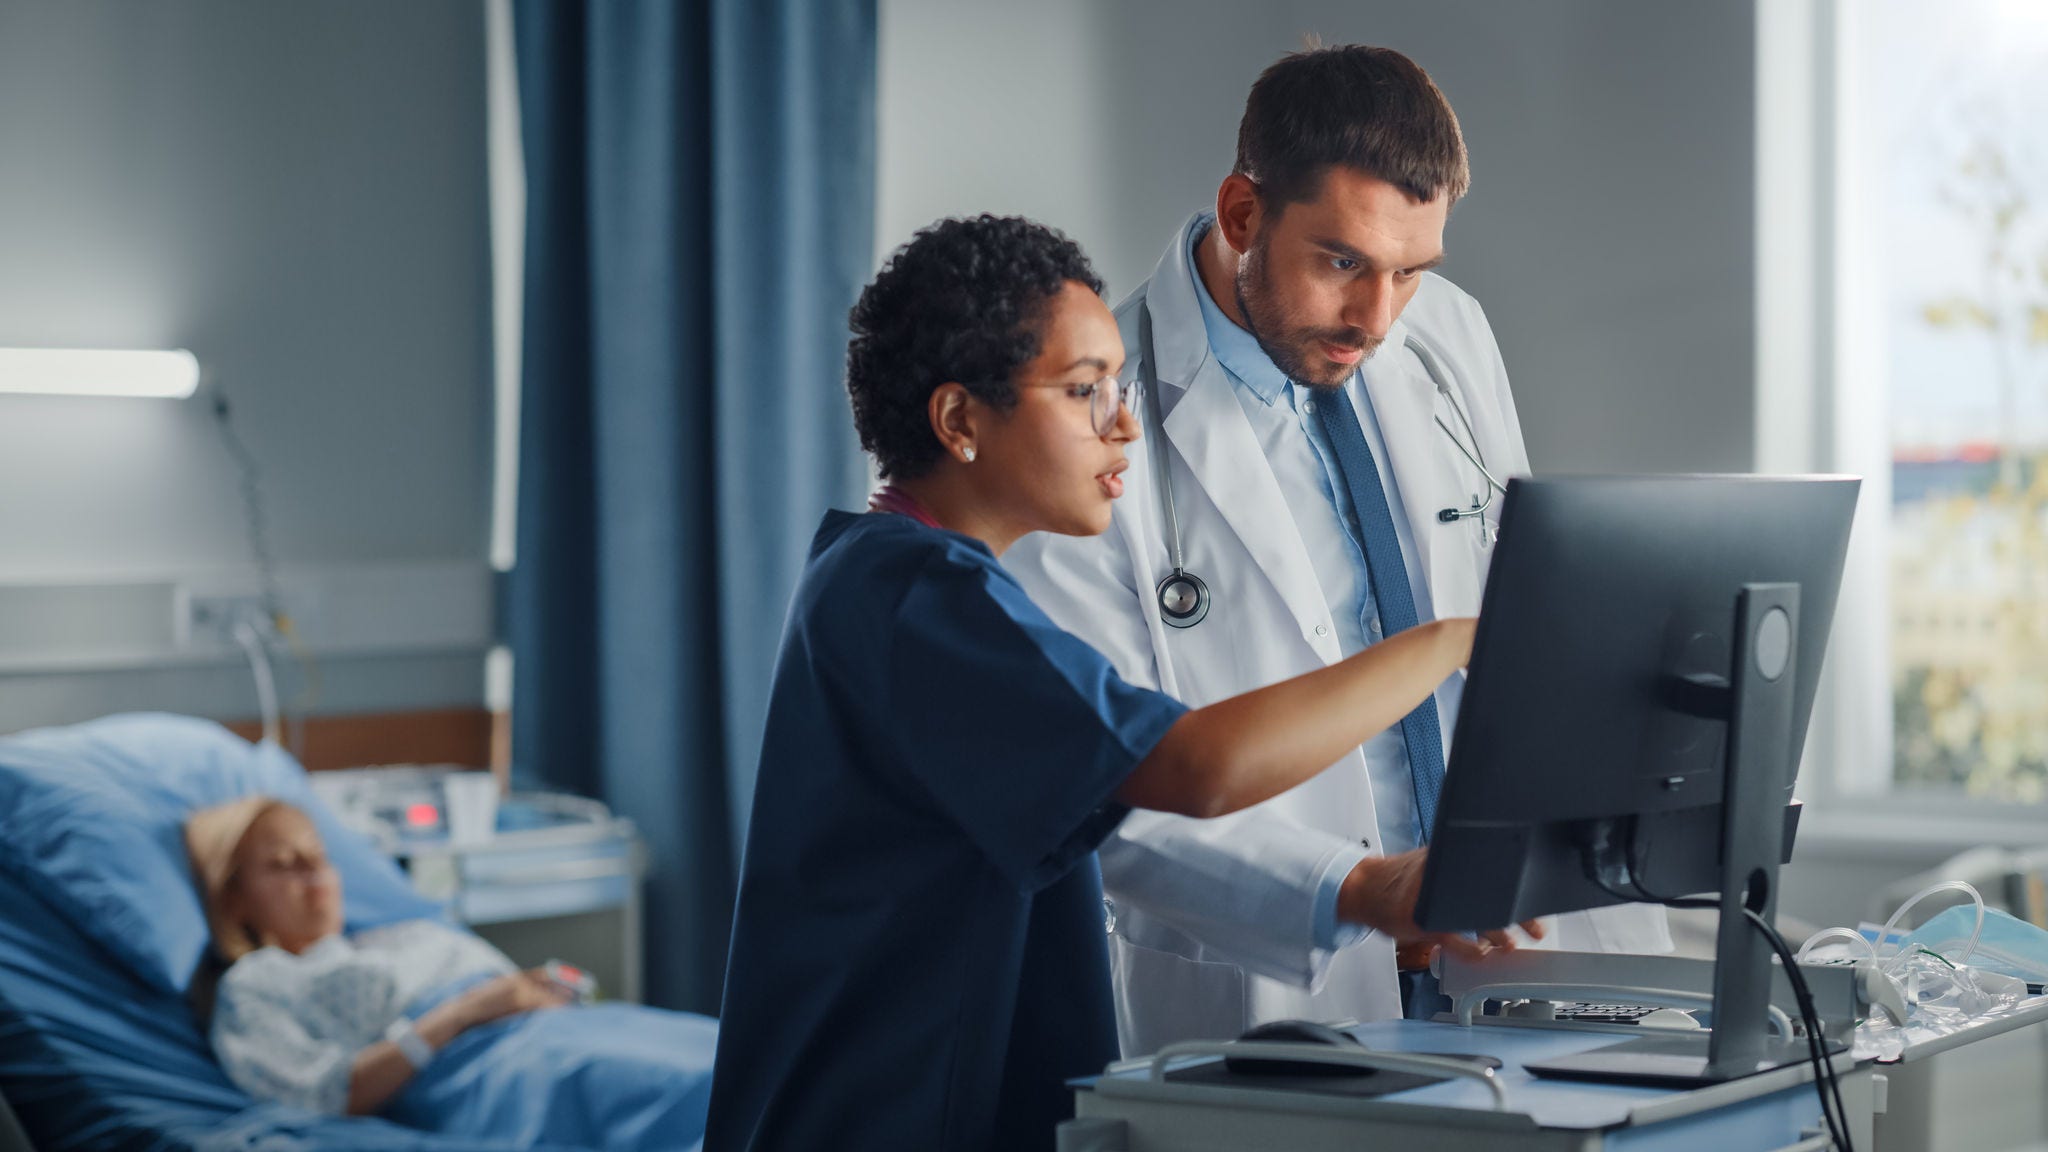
(1380, 893)
(1353, 900)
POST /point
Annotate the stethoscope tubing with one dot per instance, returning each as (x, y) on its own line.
(1183, 596)
(1148, 380)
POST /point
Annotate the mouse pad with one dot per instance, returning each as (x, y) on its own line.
(1367, 1083)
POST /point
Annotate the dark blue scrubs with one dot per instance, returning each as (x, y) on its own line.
(918, 956)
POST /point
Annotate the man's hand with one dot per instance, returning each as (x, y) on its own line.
(1381, 892)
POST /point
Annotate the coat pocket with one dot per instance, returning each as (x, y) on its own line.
(1163, 998)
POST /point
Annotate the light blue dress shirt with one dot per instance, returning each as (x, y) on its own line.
(1282, 416)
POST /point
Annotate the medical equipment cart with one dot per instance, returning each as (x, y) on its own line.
(1981, 1088)
(1138, 1107)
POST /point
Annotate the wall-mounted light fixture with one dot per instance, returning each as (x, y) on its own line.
(79, 372)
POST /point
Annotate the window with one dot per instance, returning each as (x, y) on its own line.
(1938, 286)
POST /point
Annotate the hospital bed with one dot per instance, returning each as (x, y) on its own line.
(100, 930)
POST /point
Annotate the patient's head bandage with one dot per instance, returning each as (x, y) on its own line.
(211, 837)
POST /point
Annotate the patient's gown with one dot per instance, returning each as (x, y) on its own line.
(287, 1028)
(617, 1077)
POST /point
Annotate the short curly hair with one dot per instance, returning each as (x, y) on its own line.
(960, 302)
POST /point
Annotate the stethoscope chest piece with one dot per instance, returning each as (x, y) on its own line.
(1183, 599)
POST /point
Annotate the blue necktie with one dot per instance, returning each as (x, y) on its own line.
(1389, 576)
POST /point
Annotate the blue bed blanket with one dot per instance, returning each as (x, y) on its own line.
(608, 1076)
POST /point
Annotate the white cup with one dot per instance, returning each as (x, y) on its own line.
(471, 801)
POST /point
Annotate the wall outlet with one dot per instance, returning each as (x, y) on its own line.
(208, 620)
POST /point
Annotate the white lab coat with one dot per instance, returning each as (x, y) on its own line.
(1212, 925)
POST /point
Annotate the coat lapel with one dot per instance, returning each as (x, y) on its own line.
(1212, 437)
(1424, 464)
(1210, 434)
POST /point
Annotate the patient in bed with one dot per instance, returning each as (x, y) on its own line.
(414, 1020)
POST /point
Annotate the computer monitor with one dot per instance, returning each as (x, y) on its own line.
(1645, 665)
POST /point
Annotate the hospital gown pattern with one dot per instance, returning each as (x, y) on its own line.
(288, 1028)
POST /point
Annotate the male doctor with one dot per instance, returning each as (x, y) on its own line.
(1308, 469)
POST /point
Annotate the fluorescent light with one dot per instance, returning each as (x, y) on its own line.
(78, 372)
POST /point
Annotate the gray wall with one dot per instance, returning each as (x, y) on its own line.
(1608, 233)
(295, 192)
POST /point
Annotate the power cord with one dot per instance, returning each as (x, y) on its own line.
(1825, 1082)
(254, 524)
(277, 623)
(1816, 1043)
(258, 653)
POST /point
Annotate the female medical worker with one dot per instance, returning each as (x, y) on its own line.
(918, 955)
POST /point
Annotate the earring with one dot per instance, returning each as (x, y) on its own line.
(969, 453)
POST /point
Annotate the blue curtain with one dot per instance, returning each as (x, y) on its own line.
(700, 213)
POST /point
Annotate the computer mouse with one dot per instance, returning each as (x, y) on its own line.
(1296, 1032)
(1310, 1032)
(1675, 1019)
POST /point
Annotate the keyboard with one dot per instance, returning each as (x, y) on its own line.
(1592, 1013)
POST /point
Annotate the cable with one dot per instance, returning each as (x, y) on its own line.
(1846, 935)
(253, 522)
(259, 666)
(1825, 1079)
(1825, 1083)
(255, 526)
(1823, 1068)
(1962, 886)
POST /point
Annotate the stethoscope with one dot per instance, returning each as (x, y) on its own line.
(1479, 507)
(1183, 596)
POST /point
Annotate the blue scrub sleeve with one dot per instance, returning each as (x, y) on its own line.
(1019, 731)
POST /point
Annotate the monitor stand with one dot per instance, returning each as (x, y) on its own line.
(1757, 703)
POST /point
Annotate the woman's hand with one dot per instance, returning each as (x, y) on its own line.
(381, 1069)
(509, 995)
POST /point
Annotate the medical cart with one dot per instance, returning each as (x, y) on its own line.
(1155, 1106)
(1983, 1086)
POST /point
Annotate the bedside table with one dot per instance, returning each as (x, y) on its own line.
(561, 879)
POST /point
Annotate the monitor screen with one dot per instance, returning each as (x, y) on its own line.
(1608, 618)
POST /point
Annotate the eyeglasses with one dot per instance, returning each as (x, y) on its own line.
(1107, 399)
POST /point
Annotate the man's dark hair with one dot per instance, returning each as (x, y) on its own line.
(961, 302)
(1371, 109)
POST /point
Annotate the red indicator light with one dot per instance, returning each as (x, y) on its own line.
(422, 815)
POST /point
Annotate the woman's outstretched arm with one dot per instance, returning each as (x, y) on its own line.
(1237, 752)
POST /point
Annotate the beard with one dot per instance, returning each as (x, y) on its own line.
(1295, 349)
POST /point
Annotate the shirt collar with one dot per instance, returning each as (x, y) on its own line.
(1237, 349)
